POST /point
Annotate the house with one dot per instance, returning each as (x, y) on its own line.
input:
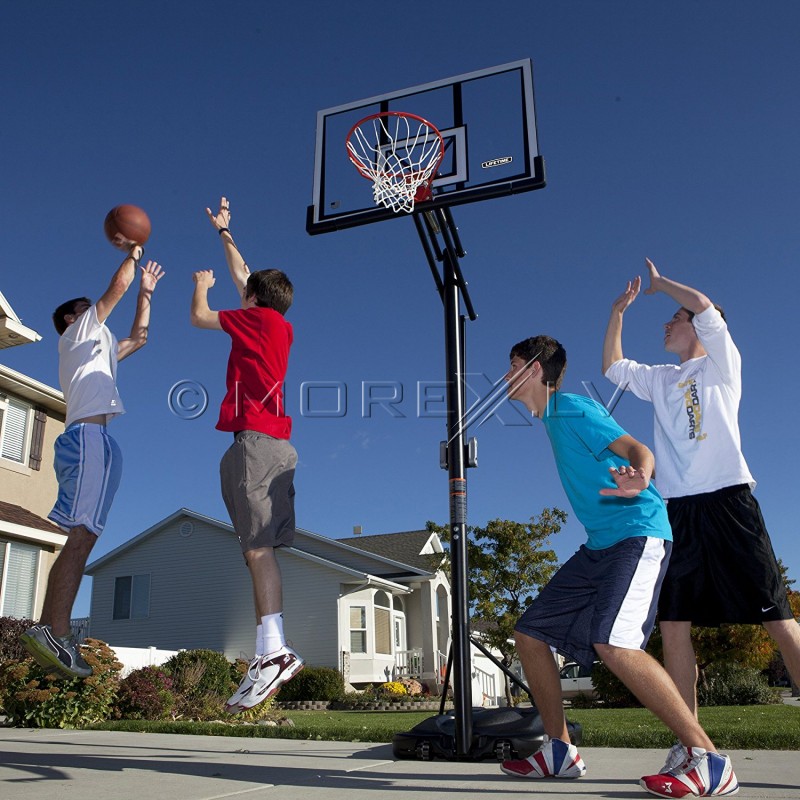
(374, 607)
(32, 416)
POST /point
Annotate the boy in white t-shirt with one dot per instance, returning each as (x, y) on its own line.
(88, 462)
(722, 568)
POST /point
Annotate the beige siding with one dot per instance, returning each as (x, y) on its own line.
(35, 490)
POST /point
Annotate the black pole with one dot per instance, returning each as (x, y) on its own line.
(462, 670)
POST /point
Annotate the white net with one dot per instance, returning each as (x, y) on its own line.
(400, 154)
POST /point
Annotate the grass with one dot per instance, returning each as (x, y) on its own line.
(731, 727)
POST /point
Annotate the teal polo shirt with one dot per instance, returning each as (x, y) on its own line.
(580, 431)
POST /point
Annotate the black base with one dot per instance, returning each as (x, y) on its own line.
(500, 733)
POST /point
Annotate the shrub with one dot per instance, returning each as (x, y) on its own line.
(611, 690)
(201, 681)
(731, 684)
(145, 694)
(392, 688)
(10, 630)
(313, 683)
(32, 698)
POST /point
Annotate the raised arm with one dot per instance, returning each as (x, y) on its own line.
(120, 282)
(612, 345)
(236, 263)
(691, 299)
(633, 479)
(201, 315)
(151, 275)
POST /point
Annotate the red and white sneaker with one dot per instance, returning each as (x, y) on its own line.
(699, 774)
(265, 675)
(554, 759)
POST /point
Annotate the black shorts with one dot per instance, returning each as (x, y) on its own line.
(723, 568)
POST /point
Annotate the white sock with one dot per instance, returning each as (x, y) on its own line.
(259, 640)
(272, 625)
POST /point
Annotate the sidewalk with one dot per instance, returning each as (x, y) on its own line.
(36, 764)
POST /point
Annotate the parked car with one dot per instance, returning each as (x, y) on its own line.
(575, 680)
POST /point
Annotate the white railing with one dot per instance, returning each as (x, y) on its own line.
(486, 682)
(408, 663)
(441, 666)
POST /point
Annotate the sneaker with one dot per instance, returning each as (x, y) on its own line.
(55, 653)
(232, 704)
(265, 676)
(554, 759)
(700, 774)
(675, 757)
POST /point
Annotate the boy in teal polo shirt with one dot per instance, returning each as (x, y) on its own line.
(602, 602)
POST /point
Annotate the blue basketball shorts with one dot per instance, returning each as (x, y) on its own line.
(604, 596)
(88, 465)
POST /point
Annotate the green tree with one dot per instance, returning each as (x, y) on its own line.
(509, 563)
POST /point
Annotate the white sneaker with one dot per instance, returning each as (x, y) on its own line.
(265, 676)
(701, 774)
(232, 705)
(554, 759)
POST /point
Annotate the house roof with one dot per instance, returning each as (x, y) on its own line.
(408, 547)
(38, 393)
(19, 523)
(12, 331)
(18, 515)
(389, 566)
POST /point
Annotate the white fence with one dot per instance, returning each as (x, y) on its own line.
(137, 657)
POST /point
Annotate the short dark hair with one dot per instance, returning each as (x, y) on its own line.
(548, 352)
(719, 308)
(63, 310)
(270, 288)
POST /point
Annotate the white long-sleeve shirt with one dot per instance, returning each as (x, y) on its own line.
(696, 410)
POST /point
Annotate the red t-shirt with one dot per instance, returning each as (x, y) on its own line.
(260, 342)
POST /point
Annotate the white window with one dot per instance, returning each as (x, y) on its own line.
(132, 597)
(358, 629)
(18, 569)
(15, 429)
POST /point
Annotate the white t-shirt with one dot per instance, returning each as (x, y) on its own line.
(696, 408)
(87, 368)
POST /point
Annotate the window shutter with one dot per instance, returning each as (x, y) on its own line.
(15, 419)
(37, 439)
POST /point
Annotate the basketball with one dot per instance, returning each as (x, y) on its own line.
(127, 225)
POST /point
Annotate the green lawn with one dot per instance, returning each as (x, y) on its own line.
(731, 727)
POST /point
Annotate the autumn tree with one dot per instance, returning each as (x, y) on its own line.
(509, 563)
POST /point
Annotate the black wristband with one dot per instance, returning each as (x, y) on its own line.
(223, 230)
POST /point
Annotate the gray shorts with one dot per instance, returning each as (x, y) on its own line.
(257, 476)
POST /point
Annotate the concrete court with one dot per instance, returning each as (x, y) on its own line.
(37, 764)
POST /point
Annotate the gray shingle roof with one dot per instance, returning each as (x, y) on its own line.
(404, 547)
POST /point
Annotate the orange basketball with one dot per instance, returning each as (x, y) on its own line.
(127, 225)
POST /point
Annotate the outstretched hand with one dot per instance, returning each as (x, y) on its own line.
(222, 219)
(628, 296)
(630, 482)
(205, 277)
(655, 277)
(152, 273)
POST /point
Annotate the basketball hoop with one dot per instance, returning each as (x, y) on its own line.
(400, 154)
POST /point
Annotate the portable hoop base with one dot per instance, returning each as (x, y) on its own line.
(501, 733)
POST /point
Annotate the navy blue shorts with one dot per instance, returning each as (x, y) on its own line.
(600, 597)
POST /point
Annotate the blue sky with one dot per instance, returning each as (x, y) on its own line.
(669, 130)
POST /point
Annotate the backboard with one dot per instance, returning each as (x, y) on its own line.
(487, 120)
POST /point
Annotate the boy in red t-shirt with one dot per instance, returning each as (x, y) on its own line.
(257, 471)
